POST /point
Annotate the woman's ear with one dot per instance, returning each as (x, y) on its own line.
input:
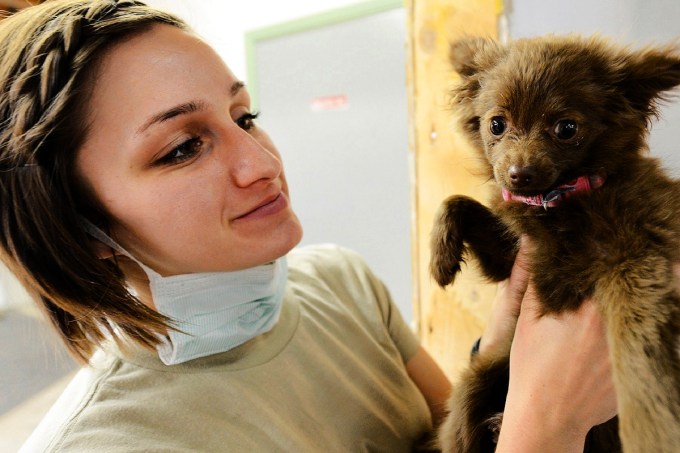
(102, 250)
(99, 242)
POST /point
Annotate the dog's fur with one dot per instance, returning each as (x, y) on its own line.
(616, 243)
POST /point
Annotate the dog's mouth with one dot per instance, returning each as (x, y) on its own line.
(553, 197)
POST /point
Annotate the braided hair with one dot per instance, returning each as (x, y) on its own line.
(49, 58)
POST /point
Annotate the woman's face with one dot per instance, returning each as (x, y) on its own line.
(173, 155)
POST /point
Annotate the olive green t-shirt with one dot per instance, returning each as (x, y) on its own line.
(329, 377)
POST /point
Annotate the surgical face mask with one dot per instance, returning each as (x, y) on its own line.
(213, 311)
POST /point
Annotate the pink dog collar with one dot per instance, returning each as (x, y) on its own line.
(553, 197)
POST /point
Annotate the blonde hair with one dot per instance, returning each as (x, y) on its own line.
(49, 58)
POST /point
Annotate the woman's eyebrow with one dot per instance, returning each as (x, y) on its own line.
(236, 87)
(185, 108)
(182, 109)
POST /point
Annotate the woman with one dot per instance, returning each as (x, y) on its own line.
(150, 215)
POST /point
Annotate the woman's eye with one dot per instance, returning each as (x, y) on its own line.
(565, 130)
(247, 121)
(497, 125)
(183, 152)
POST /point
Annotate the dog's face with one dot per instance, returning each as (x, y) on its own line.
(545, 111)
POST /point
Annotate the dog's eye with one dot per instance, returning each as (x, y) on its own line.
(565, 130)
(497, 125)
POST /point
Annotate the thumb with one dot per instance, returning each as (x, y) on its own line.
(519, 277)
(531, 303)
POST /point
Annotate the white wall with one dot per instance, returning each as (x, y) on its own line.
(223, 23)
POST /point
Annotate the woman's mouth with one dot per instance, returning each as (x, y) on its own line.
(267, 207)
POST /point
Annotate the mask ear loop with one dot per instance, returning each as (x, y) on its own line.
(96, 233)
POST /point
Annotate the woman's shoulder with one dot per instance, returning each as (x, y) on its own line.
(326, 257)
(70, 405)
(340, 276)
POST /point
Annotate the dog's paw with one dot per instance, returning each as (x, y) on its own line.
(444, 267)
(447, 247)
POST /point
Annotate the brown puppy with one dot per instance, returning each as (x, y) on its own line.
(561, 123)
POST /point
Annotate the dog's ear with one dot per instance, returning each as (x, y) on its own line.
(646, 76)
(470, 56)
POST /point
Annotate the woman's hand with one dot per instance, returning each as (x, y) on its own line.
(560, 380)
(560, 372)
(501, 326)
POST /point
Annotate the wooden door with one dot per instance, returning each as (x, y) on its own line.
(449, 321)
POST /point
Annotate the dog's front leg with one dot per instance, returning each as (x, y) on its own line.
(464, 226)
(642, 312)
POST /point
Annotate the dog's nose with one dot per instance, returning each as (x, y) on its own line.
(521, 176)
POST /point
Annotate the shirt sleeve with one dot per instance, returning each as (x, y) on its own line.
(399, 331)
(402, 335)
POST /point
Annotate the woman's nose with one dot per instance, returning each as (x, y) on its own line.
(253, 162)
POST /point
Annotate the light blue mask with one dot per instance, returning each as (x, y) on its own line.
(214, 311)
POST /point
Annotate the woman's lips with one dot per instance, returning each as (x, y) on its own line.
(268, 207)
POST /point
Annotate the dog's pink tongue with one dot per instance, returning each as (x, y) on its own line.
(580, 184)
(536, 200)
(509, 196)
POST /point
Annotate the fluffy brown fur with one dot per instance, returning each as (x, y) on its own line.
(542, 112)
